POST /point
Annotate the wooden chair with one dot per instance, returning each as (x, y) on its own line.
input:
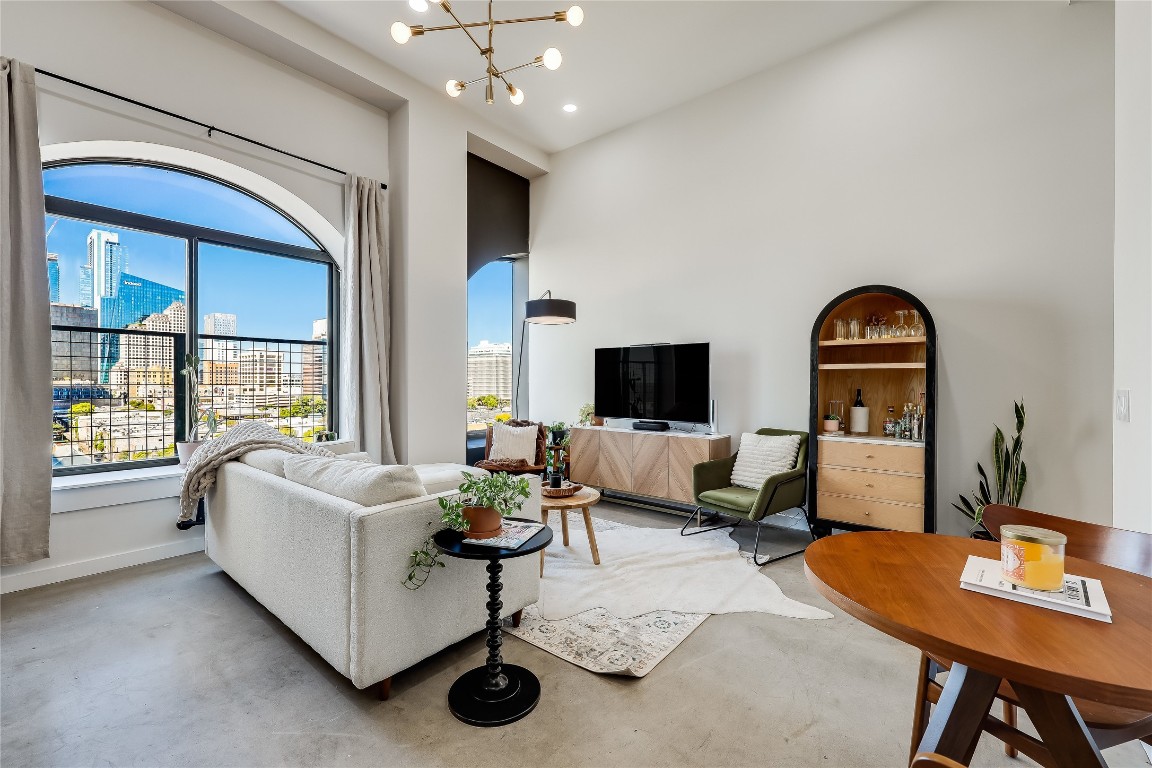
(933, 760)
(1109, 725)
(538, 465)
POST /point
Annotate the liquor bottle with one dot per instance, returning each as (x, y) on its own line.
(859, 400)
(859, 423)
(890, 422)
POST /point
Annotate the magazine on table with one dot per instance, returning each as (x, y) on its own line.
(1081, 595)
(512, 537)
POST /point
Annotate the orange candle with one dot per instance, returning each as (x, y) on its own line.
(1033, 557)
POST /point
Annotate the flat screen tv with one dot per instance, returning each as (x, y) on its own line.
(659, 382)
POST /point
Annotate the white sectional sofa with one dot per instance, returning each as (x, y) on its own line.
(333, 570)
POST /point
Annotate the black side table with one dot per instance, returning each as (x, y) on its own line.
(497, 693)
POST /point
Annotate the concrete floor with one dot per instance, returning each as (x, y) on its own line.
(172, 664)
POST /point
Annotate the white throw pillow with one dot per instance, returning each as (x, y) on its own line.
(762, 456)
(267, 459)
(365, 484)
(514, 442)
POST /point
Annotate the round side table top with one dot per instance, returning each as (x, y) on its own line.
(907, 585)
(451, 543)
(585, 497)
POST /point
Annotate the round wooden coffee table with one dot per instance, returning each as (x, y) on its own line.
(907, 585)
(584, 499)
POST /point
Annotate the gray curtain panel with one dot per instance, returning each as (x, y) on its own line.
(367, 323)
(25, 334)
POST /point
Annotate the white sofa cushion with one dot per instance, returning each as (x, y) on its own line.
(438, 478)
(762, 456)
(272, 459)
(514, 442)
(365, 484)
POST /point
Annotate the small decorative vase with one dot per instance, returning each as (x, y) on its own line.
(185, 450)
(483, 522)
(831, 425)
(556, 480)
(597, 421)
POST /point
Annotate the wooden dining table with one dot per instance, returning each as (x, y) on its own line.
(907, 585)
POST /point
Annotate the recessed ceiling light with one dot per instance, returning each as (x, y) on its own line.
(569, 107)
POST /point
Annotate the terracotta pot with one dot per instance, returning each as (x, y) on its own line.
(597, 421)
(185, 450)
(483, 522)
(831, 425)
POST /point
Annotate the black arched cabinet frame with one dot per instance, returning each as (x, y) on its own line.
(815, 417)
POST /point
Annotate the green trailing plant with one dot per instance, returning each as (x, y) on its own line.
(1009, 470)
(500, 491)
(199, 421)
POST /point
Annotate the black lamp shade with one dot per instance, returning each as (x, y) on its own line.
(550, 311)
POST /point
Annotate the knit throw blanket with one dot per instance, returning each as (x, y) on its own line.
(200, 474)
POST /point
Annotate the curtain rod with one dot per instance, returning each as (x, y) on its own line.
(211, 128)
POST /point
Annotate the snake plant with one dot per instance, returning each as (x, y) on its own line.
(1010, 471)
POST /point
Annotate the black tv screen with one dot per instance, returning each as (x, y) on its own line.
(661, 382)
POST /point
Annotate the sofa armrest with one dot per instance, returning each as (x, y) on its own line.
(392, 626)
(711, 475)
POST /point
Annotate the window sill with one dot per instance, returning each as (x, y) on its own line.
(72, 493)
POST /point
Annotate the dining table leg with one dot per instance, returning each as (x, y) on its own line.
(1060, 727)
(958, 719)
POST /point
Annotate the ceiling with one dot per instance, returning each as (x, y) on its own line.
(628, 60)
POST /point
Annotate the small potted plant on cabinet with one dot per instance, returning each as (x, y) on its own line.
(831, 422)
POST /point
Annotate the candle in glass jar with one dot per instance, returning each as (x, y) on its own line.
(1032, 557)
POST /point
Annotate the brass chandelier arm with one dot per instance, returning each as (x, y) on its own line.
(459, 25)
(538, 61)
(484, 23)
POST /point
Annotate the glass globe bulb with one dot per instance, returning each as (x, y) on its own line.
(418, 5)
(453, 88)
(401, 32)
(515, 95)
(575, 16)
(569, 107)
(552, 58)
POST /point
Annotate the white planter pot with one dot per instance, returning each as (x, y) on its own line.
(185, 450)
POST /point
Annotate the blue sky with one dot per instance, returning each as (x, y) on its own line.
(271, 297)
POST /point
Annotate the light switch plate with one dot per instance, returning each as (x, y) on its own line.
(1123, 405)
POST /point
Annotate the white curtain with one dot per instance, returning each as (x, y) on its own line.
(25, 335)
(366, 323)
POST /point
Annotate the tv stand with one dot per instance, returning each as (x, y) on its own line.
(651, 426)
(658, 466)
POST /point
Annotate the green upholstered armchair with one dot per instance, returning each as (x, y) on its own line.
(714, 493)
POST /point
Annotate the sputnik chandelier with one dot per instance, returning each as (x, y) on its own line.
(550, 59)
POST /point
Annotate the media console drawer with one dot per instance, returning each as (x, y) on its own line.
(872, 512)
(886, 486)
(891, 458)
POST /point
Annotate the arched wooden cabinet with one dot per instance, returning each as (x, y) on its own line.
(866, 481)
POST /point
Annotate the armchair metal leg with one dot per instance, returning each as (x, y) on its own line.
(704, 526)
(760, 525)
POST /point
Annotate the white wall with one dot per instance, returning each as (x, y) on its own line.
(145, 52)
(1132, 441)
(962, 151)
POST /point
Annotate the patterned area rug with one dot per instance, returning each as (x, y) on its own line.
(598, 641)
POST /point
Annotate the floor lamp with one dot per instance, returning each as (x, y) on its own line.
(543, 311)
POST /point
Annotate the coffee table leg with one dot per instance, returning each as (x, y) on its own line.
(496, 693)
(1060, 727)
(591, 536)
(957, 721)
(564, 524)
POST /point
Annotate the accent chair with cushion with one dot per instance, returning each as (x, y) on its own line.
(531, 463)
(720, 490)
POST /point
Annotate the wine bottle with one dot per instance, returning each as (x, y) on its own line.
(859, 400)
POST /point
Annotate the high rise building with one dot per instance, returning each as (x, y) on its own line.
(261, 369)
(53, 278)
(219, 350)
(315, 373)
(490, 370)
(87, 298)
(145, 367)
(135, 299)
(108, 260)
(75, 354)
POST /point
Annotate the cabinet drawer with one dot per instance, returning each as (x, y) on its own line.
(874, 485)
(893, 458)
(877, 514)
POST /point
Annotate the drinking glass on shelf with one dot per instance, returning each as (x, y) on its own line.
(836, 408)
(917, 327)
(854, 328)
(841, 329)
(900, 330)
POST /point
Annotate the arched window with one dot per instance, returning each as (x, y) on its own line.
(147, 263)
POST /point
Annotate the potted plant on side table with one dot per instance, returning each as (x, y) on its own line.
(199, 421)
(478, 509)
